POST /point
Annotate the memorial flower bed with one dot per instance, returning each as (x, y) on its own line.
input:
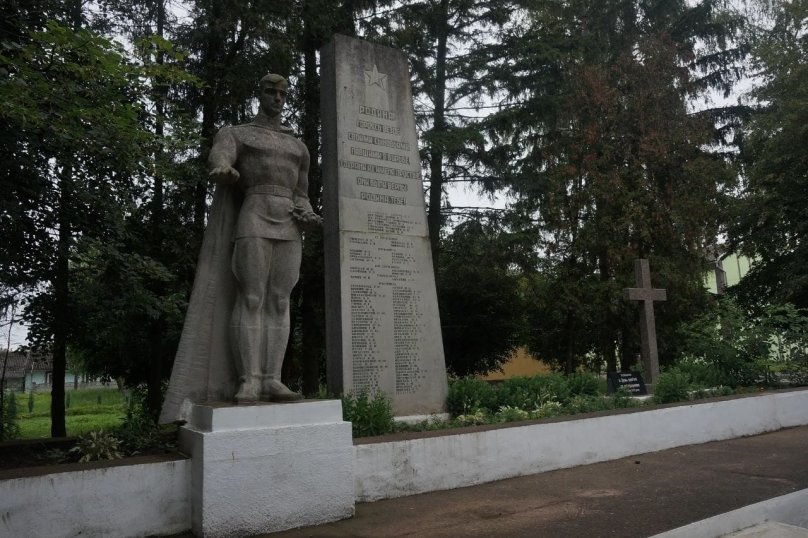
(474, 402)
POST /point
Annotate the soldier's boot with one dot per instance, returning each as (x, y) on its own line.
(249, 361)
(273, 390)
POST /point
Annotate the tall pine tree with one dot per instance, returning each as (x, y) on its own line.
(608, 163)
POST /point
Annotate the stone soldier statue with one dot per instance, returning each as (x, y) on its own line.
(237, 325)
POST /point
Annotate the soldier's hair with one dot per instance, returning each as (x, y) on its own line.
(274, 80)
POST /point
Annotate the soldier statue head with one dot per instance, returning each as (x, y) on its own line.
(273, 94)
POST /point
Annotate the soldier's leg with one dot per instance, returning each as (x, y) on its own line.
(250, 265)
(283, 275)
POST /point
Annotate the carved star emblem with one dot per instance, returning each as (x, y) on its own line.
(374, 78)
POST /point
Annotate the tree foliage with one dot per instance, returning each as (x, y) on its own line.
(739, 342)
(771, 216)
(69, 98)
(582, 112)
(607, 162)
(449, 44)
(480, 302)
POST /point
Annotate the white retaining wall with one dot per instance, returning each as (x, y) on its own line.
(395, 469)
(127, 500)
(155, 498)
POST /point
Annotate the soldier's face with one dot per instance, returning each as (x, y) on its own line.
(272, 100)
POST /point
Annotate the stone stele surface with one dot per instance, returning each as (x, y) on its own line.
(383, 328)
(268, 467)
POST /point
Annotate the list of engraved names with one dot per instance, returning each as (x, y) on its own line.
(384, 278)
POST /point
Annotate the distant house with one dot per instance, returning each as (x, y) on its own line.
(726, 270)
(32, 371)
(15, 370)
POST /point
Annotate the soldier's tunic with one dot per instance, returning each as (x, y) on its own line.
(269, 163)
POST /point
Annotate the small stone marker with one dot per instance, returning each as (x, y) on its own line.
(382, 325)
(645, 293)
(630, 380)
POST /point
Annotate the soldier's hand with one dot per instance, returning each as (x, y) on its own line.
(224, 175)
(307, 218)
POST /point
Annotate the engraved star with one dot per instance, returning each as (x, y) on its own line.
(376, 78)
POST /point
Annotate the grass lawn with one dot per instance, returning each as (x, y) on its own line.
(88, 410)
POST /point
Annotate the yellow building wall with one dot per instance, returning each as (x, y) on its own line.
(521, 363)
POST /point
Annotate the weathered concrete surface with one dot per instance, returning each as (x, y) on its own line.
(771, 530)
(632, 497)
(266, 468)
(388, 469)
(382, 322)
(142, 499)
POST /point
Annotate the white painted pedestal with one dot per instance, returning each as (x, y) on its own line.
(268, 467)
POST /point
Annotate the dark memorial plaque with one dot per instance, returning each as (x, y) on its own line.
(630, 380)
(383, 330)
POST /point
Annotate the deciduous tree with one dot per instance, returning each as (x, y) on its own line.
(70, 98)
(772, 216)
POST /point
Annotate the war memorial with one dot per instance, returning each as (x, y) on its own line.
(261, 459)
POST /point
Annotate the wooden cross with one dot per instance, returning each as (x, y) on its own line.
(645, 293)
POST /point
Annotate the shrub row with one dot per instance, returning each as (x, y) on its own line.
(469, 395)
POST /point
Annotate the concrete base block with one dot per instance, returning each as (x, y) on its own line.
(268, 467)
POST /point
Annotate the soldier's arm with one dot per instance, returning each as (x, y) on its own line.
(301, 194)
(302, 210)
(223, 156)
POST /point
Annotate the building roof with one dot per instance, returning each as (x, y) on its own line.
(19, 363)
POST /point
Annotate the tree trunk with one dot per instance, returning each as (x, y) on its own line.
(312, 271)
(61, 290)
(569, 359)
(154, 383)
(607, 344)
(312, 313)
(628, 349)
(438, 132)
(3, 375)
(211, 56)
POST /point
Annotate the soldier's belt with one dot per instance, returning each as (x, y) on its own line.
(275, 190)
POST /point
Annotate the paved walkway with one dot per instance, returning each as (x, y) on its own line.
(633, 497)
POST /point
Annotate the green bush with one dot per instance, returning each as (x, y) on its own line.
(368, 416)
(701, 374)
(622, 399)
(11, 402)
(8, 418)
(138, 432)
(474, 418)
(97, 445)
(530, 393)
(587, 404)
(550, 408)
(796, 373)
(467, 395)
(511, 414)
(741, 344)
(31, 401)
(671, 386)
(580, 383)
